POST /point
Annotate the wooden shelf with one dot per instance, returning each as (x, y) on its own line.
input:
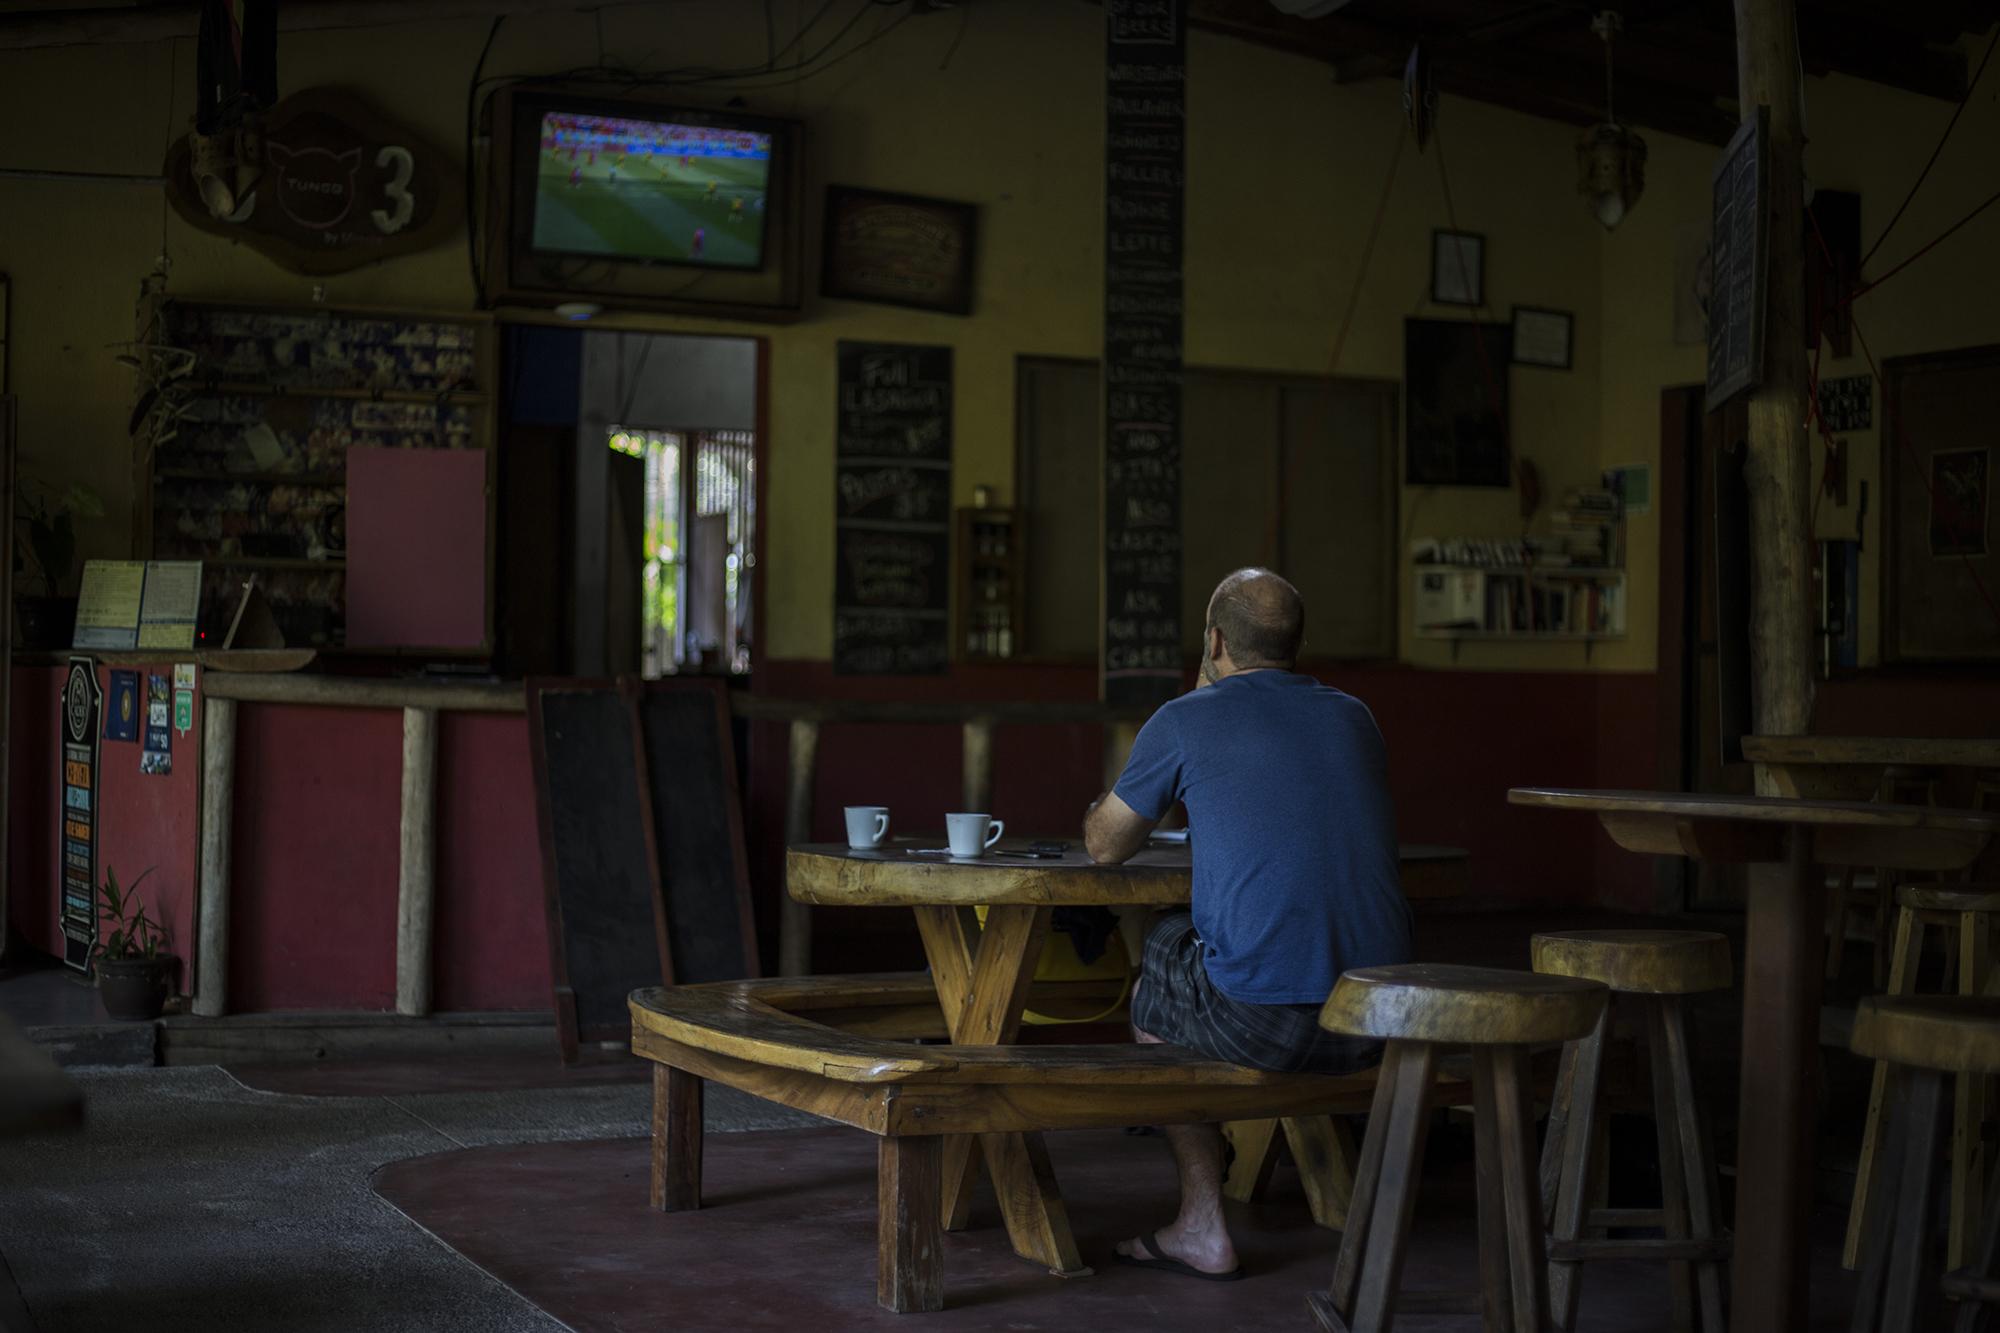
(1570, 636)
(320, 479)
(1517, 571)
(467, 397)
(285, 562)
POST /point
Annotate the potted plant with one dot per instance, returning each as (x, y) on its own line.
(45, 555)
(132, 973)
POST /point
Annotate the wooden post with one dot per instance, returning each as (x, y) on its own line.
(794, 917)
(1776, 470)
(218, 787)
(978, 768)
(416, 890)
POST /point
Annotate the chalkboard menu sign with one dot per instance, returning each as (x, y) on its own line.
(1739, 256)
(892, 510)
(1144, 158)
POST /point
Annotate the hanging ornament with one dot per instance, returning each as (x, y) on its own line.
(1610, 159)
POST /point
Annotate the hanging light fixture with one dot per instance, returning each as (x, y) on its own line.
(1610, 159)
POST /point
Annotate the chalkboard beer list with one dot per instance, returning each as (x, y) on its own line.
(1739, 257)
(1144, 155)
(892, 510)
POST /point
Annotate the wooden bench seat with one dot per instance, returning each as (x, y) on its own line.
(755, 1036)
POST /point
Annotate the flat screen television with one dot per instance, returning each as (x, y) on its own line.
(666, 187)
(626, 202)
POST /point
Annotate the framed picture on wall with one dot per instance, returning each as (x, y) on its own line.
(1458, 268)
(898, 249)
(1939, 559)
(1542, 337)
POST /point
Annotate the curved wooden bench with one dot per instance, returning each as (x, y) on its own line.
(753, 1036)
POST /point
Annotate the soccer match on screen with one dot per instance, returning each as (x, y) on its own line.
(648, 189)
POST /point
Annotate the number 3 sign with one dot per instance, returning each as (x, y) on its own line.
(338, 185)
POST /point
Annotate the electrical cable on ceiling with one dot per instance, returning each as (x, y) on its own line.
(1478, 326)
(471, 128)
(1368, 249)
(1950, 125)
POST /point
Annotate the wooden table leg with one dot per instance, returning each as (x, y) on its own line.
(983, 991)
(1783, 965)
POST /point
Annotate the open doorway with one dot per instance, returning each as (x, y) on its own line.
(667, 483)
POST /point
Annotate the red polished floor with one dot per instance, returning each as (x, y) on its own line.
(787, 1242)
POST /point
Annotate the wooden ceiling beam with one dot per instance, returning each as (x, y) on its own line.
(111, 24)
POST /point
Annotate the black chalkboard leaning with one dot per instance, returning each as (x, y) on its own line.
(644, 871)
(1739, 247)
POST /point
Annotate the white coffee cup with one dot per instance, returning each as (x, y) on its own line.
(971, 835)
(867, 825)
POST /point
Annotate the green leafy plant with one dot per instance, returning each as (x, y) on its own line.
(133, 934)
(45, 530)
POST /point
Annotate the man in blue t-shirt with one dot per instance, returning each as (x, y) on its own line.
(1286, 786)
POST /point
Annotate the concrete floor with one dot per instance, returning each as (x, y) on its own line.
(201, 1199)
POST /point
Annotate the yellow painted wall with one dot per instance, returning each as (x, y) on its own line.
(1000, 105)
(1865, 138)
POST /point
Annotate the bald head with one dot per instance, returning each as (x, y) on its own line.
(1262, 619)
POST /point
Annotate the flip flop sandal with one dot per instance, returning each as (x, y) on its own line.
(1169, 1265)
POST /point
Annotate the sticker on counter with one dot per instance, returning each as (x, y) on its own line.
(158, 758)
(121, 719)
(183, 711)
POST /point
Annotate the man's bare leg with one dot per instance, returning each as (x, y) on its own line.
(1199, 1236)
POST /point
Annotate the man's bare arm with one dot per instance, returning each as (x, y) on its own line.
(1113, 831)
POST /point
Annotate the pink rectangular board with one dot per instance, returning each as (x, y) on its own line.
(416, 548)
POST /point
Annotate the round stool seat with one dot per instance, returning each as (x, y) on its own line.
(1461, 1006)
(1646, 962)
(1950, 897)
(1958, 1034)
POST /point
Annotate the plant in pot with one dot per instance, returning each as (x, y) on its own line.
(132, 973)
(45, 558)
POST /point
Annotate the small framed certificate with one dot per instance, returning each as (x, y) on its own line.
(1458, 268)
(1542, 337)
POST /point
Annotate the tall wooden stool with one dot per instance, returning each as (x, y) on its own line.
(1900, 784)
(1922, 1038)
(1648, 971)
(1418, 1008)
(1970, 910)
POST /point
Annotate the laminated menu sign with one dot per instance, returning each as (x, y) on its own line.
(892, 509)
(80, 704)
(1145, 154)
(130, 604)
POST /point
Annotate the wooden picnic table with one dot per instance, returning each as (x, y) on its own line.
(1781, 840)
(982, 975)
(1850, 767)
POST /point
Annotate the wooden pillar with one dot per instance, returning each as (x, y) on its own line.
(1777, 470)
(978, 774)
(218, 788)
(794, 917)
(416, 890)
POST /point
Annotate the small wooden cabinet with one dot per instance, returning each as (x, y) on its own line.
(990, 584)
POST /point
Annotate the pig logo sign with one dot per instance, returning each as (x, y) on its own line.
(338, 185)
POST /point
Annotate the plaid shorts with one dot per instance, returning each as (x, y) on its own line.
(1176, 1002)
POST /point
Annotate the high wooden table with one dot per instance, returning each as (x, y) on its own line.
(1781, 840)
(1850, 767)
(982, 975)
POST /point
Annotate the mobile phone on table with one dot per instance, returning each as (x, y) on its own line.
(1048, 847)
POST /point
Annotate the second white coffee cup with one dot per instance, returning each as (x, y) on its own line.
(867, 825)
(972, 834)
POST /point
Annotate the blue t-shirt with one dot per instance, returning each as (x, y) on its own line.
(1286, 784)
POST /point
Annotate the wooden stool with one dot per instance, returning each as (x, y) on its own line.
(1968, 909)
(1650, 971)
(1417, 1008)
(1900, 784)
(1923, 1038)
